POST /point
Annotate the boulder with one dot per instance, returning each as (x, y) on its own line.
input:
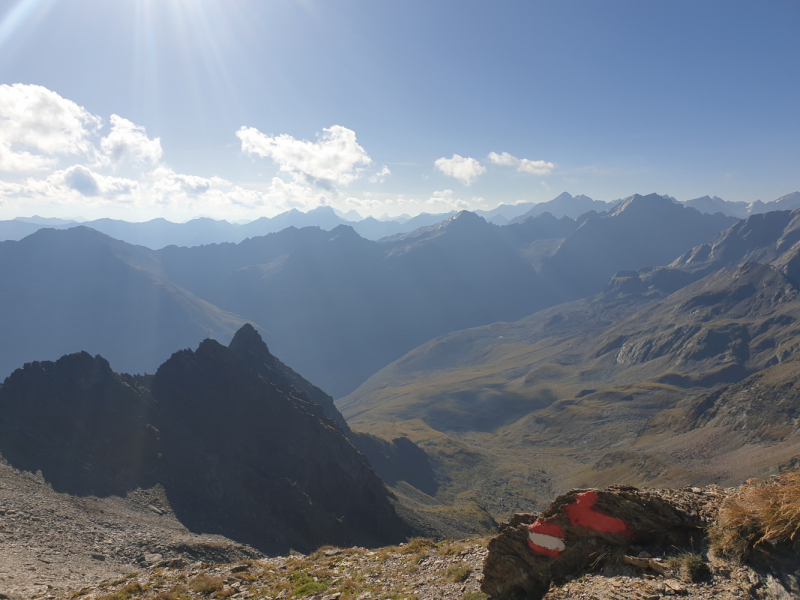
(585, 527)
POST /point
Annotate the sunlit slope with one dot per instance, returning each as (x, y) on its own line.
(709, 318)
(573, 389)
(719, 329)
(66, 291)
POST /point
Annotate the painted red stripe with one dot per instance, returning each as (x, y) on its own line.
(546, 528)
(582, 513)
(543, 550)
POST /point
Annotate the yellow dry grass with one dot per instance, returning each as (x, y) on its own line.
(759, 512)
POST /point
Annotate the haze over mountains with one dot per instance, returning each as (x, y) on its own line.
(337, 306)
(628, 345)
(159, 233)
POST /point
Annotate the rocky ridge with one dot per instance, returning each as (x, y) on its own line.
(239, 452)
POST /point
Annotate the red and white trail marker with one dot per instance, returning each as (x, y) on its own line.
(546, 538)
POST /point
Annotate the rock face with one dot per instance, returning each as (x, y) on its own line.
(585, 527)
(239, 448)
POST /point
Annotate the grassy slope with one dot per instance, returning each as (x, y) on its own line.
(591, 392)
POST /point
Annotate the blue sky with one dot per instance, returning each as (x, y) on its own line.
(609, 98)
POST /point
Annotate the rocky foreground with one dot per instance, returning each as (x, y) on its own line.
(618, 542)
(422, 570)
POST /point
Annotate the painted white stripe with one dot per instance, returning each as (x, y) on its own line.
(546, 541)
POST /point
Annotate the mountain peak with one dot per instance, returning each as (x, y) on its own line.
(247, 341)
(637, 203)
(466, 217)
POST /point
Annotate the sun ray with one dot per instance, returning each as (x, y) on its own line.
(22, 13)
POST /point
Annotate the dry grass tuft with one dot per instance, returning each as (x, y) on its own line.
(177, 592)
(759, 512)
(459, 573)
(417, 545)
(205, 584)
(129, 590)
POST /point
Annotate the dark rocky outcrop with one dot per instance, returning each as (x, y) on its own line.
(82, 425)
(583, 528)
(230, 433)
(394, 461)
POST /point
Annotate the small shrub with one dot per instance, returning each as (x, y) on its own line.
(459, 573)
(690, 567)
(205, 584)
(474, 596)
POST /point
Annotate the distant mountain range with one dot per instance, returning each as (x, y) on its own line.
(159, 233)
(336, 305)
(742, 210)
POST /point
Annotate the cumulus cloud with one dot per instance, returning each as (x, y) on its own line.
(466, 170)
(381, 175)
(334, 159)
(129, 143)
(524, 165)
(75, 185)
(36, 125)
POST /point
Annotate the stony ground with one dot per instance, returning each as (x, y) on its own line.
(55, 546)
(51, 542)
(423, 570)
(721, 581)
(418, 570)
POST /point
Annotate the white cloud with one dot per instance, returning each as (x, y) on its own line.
(381, 175)
(36, 124)
(77, 186)
(524, 165)
(129, 143)
(504, 159)
(445, 199)
(466, 170)
(334, 159)
(23, 161)
(535, 167)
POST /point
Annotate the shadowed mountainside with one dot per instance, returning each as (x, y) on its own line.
(78, 289)
(240, 452)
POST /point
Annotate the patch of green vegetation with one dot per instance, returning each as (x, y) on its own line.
(311, 588)
(474, 596)
(307, 585)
